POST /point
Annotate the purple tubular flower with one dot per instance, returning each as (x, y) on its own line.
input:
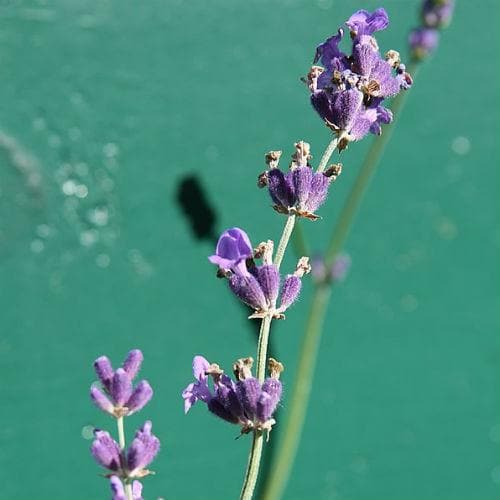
(290, 291)
(364, 23)
(117, 488)
(340, 267)
(121, 387)
(437, 13)
(106, 451)
(233, 248)
(280, 188)
(248, 290)
(104, 371)
(133, 362)
(142, 450)
(101, 400)
(246, 402)
(199, 390)
(423, 41)
(140, 397)
(269, 398)
(269, 281)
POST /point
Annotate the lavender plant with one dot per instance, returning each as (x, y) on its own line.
(117, 397)
(329, 268)
(348, 93)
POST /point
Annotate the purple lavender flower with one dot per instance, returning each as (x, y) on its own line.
(233, 249)
(300, 191)
(437, 13)
(257, 285)
(133, 462)
(118, 489)
(348, 91)
(245, 402)
(423, 41)
(118, 397)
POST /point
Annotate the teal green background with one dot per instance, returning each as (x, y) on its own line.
(119, 100)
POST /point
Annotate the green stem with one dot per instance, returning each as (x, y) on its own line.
(285, 238)
(299, 242)
(300, 394)
(255, 455)
(299, 402)
(121, 442)
(328, 154)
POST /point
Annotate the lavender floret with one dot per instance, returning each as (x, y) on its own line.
(118, 490)
(437, 13)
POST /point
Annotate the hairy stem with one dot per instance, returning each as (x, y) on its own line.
(285, 238)
(257, 442)
(301, 390)
(292, 432)
(121, 442)
(332, 146)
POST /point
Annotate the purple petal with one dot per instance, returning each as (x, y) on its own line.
(248, 290)
(200, 366)
(269, 280)
(121, 387)
(423, 41)
(137, 490)
(232, 248)
(104, 371)
(106, 450)
(362, 123)
(101, 400)
(329, 52)
(117, 488)
(290, 291)
(364, 23)
(140, 397)
(132, 363)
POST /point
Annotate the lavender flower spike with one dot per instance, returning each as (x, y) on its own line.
(437, 13)
(348, 93)
(118, 397)
(423, 41)
(233, 248)
(246, 402)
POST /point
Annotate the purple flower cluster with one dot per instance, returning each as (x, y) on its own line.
(127, 464)
(348, 92)
(245, 402)
(119, 398)
(258, 286)
(300, 191)
(435, 15)
(336, 272)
